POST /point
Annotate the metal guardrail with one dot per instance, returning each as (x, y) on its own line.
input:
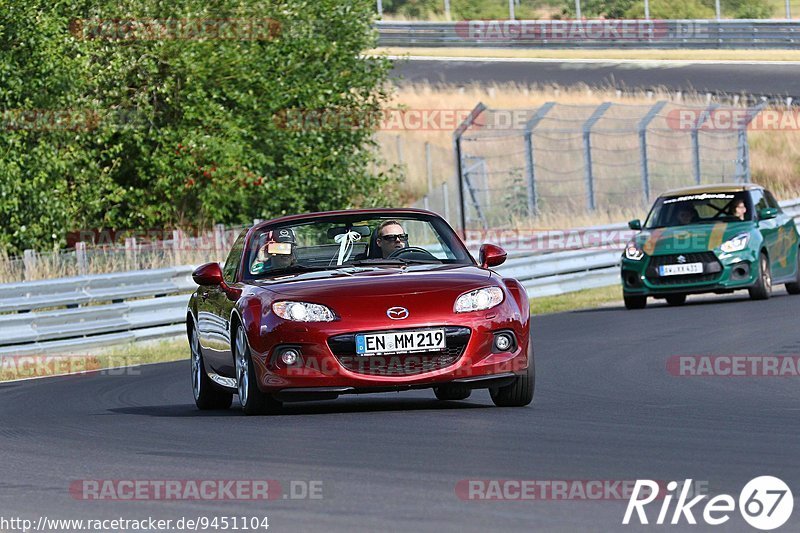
(71, 315)
(755, 33)
(68, 314)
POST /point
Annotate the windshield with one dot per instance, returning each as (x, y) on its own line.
(332, 243)
(703, 208)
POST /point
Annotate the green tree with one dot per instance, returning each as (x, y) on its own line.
(183, 132)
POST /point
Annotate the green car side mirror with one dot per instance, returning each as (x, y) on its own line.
(635, 224)
(767, 213)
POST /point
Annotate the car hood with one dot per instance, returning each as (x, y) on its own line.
(425, 290)
(692, 238)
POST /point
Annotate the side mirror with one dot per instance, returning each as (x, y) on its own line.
(767, 212)
(208, 275)
(491, 255)
(635, 224)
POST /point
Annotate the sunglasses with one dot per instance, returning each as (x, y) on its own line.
(396, 237)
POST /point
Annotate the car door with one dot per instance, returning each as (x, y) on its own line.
(218, 349)
(784, 260)
(768, 227)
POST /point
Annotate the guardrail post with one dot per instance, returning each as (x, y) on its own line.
(29, 262)
(177, 244)
(219, 239)
(643, 124)
(467, 122)
(696, 141)
(587, 152)
(446, 201)
(530, 160)
(428, 175)
(743, 147)
(130, 253)
(80, 258)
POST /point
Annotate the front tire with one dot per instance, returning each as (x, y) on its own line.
(635, 302)
(452, 392)
(676, 299)
(520, 392)
(206, 395)
(254, 402)
(794, 287)
(762, 290)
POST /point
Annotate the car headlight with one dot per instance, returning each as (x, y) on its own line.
(479, 299)
(735, 244)
(303, 312)
(633, 251)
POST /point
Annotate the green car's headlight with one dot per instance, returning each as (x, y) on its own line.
(633, 251)
(479, 299)
(736, 244)
(303, 312)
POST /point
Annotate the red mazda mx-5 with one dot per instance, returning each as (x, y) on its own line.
(308, 307)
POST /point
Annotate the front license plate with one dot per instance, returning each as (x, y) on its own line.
(400, 342)
(678, 270)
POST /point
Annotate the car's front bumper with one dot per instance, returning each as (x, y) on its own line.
(328, 368)
(723, 272)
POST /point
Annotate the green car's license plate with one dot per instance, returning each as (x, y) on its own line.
(679, 270)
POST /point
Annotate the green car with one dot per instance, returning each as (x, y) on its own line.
(717, 239)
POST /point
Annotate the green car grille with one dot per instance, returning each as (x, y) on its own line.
(711, 268)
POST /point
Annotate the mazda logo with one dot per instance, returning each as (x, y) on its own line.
(681, 259)
(397, 313)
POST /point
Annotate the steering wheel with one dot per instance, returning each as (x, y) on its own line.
(412, 249)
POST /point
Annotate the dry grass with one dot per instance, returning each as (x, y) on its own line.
(613, 54)
(573, 301)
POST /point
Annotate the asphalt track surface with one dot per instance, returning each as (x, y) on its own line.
(726, 78)
(605, 409)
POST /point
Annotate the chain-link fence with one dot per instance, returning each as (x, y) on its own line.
(519, 165)
(428, 169)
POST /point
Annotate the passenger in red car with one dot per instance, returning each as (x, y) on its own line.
(267, 260)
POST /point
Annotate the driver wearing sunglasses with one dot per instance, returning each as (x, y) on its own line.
(391, 237)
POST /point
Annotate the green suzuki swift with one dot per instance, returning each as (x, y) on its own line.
(717, 239)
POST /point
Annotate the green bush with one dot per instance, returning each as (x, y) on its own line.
(182, 132)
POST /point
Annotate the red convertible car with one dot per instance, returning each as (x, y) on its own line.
(309, 307)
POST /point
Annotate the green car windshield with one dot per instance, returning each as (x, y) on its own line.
(702, 208)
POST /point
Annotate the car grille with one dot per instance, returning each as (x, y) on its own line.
(344, 348)
(711, 269)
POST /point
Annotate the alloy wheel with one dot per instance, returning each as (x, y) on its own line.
(242, 370)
